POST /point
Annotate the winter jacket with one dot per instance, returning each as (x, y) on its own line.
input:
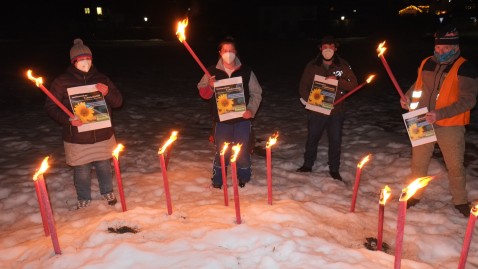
(339, 68)
(74, 78)
(433, 76)
(252, 88)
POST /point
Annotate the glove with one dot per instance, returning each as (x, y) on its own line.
(102, 88)
(75, 121)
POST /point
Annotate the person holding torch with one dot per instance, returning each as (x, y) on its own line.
(87, 149)
(235, 130)
(329, 65)
(447, 84)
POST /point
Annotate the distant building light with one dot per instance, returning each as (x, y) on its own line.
(99, 11)
(342, 18)
(87, 10)
(441, 19)
(473, 19)
(145, 18)
(355, 11)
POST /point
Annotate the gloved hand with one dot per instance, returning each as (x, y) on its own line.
(405, 103)
(102, 88)
(247, 114)
(75, 121)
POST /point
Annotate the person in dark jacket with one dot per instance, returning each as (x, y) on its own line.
(92, 148)
(235, 130)
(329, 65)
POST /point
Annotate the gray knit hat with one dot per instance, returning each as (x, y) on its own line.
(79, 50)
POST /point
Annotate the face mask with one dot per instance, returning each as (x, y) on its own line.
(228, 57)
(445, 57)
(83, 65)
(328, 54)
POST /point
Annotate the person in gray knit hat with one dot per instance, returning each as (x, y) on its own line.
(88, 149)
(447, 85)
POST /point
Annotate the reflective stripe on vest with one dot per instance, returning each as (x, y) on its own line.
(417, 91)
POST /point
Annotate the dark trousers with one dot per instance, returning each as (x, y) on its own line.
(316, 124)
(236, 133)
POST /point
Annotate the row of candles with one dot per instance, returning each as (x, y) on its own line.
(409, 191)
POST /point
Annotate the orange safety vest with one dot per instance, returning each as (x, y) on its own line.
(448, 94)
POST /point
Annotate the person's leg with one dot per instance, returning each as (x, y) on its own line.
(82, 180)
(451, 141)
(242, 132)
(223, 133)
(334, 135)
(421, 156)
(315, 127)
(105, 180)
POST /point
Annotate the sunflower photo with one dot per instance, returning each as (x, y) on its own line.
(89, 105)
(230, 99)
(419, 130)
(322, 95)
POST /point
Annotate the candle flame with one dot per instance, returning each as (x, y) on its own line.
(171, 139)
(117, 150)
(272, 140)
(385, 194)
(411, 189)
(224, 148)
(236, 149)
(181, 30)
(38, 81)
(364, 160)
(474, 210)
(381, 49)
(370, 78)
(44, 166)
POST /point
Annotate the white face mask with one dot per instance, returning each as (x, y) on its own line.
(84, 65)
(228, 57)
(328, 54)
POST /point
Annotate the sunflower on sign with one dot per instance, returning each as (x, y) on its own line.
(416, 132)
(224, 104)
(86, 114)
(316, 97)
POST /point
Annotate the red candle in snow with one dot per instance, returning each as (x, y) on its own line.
(270, 143)
(381, 49)
(42, 207)
(408, 192)
(171, 139)
(236, 150)
(384, 195)
(224, 175)
(357, 180)
(468, 235)
(46, 204)
(119, 148)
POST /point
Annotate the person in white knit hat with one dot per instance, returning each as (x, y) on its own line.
(88, 149)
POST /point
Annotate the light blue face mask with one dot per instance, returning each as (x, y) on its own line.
(445, 57)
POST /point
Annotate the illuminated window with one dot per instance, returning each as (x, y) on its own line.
(99, 11)
(87, 10)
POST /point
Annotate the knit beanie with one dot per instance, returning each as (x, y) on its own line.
(447, 35)
(79, 50)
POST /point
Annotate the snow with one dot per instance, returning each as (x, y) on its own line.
(308, 224)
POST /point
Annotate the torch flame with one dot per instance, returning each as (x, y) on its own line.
(236, 149)
(44, 166)
(411, 189)
(370, 78)
(180, 31)
(38, 81)
(171, 139)
(224, 148)
(385, 194)
(474, 210)
(381, 49)
(116, 152)
(272, 140)
(364, 160)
